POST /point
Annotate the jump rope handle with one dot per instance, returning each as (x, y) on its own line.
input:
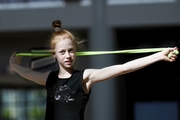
(173, 52)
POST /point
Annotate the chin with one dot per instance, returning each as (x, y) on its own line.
(69, 66)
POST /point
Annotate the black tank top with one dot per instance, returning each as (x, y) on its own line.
(66, 99)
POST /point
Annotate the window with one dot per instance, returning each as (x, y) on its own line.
(22, 104)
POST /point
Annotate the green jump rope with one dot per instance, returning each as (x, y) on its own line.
(46, 53)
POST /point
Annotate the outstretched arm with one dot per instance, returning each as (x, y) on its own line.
(27, 73)
(92, 76)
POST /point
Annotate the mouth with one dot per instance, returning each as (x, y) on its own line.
(68, 62)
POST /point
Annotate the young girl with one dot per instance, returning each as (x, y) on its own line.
(68, 89)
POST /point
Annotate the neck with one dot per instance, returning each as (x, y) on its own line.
(65, 72)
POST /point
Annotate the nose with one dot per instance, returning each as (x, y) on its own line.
(67, 54)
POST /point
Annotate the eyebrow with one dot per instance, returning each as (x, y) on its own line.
(64, 48)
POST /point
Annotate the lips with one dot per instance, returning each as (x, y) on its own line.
(68, 62)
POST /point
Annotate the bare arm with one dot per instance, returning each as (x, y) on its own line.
(92, 76)
(27, 73)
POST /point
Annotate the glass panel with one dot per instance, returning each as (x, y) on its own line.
(35, 104)
(22, 104)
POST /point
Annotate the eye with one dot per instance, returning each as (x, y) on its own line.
(62, 52)
(71, 50)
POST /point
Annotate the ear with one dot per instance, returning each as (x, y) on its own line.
(53, 54)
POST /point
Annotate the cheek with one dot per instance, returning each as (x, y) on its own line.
(73, 55)
(74, 58)
(55, 56)
(58, 57)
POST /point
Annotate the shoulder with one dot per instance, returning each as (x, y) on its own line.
(86, 83)
(53, 72)
(78, 72)
(87, 75)
(51, 75)
(88, 72)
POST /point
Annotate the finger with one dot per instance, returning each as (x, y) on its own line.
(173, 53)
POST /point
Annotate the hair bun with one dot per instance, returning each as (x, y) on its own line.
(57, 25)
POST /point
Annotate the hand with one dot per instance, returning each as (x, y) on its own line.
(169, 54)
(15, 59)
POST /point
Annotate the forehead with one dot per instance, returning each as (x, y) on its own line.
(64, 44)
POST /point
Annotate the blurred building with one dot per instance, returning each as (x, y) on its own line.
(107, 25)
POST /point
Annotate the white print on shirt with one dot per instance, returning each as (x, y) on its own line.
(64, 93)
